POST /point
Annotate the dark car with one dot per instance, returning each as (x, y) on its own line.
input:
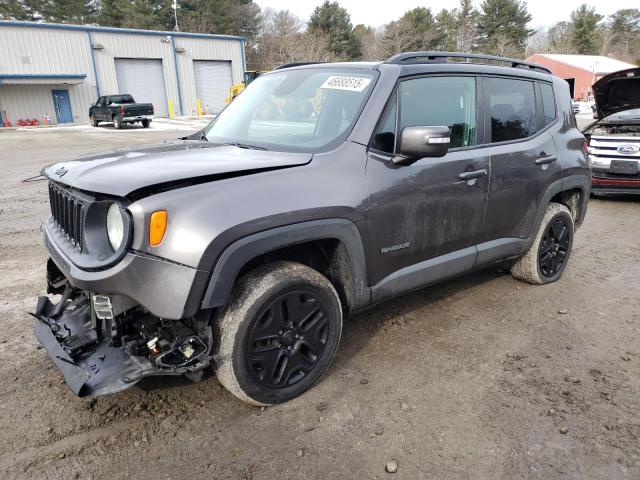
(120, 109)
(321, 191)
(614, 140)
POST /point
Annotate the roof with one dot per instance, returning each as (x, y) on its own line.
(590, 63)
(94, 28)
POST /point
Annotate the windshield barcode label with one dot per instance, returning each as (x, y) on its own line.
(353, 84)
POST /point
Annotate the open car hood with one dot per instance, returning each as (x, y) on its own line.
(167, 165)
(617, 92)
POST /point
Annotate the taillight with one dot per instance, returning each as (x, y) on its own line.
(121, 109)
(152, 110)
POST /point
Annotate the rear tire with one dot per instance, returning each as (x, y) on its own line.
(117, 123)
(94, 121)
(146, 123)
(278, 334)
(549, 253)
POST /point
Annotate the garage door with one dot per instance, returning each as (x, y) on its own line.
(213, 81)
(144, 79)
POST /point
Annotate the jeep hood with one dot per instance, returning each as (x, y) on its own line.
(617, 92)
(166, 165)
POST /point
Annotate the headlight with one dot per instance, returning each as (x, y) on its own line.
(115, 226)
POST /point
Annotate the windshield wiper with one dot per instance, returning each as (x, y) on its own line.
(246, 145)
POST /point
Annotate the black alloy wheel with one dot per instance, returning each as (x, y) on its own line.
(554, 247)
(287, 338)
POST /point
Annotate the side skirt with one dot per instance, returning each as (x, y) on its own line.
(434, 270)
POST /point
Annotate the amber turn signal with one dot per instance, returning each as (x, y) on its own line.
(157, 227)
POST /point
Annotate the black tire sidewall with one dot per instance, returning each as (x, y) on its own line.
(247, 383)
(569, 220)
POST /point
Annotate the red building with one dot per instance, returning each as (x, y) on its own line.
(581, 71)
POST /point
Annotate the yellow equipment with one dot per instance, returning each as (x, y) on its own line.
(235, 90)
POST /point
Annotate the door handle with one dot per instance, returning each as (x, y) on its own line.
(473, 174)
(546, 160)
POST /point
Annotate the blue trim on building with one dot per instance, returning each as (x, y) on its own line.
(175, 64)
(27, 76)
(91, 28)
(93, 62)
(244, 60)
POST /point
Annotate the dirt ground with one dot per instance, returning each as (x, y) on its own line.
(483, 377)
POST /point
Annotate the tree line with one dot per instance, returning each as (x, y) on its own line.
(275, 37)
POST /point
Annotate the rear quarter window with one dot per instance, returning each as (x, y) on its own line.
(548, 104)
(512, 108)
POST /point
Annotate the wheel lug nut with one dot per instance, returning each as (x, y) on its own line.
(297, 336)
(288, 348)
(279, 332)
(279, 345)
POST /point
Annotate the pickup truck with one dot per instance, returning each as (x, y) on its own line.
(120, 109)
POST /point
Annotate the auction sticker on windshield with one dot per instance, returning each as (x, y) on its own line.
(353, 84)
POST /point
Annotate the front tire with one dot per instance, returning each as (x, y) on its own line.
(94, 121)
(549, 253)
(278, 334)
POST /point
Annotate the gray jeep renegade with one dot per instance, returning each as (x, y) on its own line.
(322, 190)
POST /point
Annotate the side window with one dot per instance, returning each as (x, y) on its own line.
(548, 103)
(512, 107)
(435, 101)
(100, 102)
(384, 138)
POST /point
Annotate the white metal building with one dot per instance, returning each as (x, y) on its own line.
(59, 71)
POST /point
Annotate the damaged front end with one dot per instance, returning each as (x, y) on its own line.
(106, 343)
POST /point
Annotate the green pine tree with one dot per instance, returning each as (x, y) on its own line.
(25, 10)
(502, 27)
(466, 26)
(446, 29)
(71, 11)
(334, 21)
(584, 30)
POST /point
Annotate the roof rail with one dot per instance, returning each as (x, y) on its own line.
(296, 64)
(441, 57)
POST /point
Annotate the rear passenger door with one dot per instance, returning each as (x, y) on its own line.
(520, 118)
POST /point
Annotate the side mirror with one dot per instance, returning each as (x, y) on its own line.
(419, 142)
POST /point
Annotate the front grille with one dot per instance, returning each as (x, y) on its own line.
(604, 148)
(68, 213)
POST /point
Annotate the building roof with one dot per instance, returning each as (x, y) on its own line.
(94, 28)
(590, 63)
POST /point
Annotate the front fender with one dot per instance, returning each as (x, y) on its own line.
(236, 255)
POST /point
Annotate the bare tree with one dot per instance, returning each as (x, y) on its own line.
(504, 46)
(283, 40)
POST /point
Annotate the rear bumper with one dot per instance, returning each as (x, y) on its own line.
(615, 185)
(137, 118)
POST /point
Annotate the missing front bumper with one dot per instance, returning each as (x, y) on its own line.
(91, 355)
(98, 370)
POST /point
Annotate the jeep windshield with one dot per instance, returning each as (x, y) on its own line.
(301, 110)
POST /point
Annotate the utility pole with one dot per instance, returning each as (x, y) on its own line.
(175, 14)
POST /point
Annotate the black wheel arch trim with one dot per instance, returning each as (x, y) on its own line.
(571, 182)
(237, 254)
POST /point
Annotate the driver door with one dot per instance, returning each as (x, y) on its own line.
(428, 214)
(100, 114)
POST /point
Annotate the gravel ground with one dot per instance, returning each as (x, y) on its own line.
(481, 377)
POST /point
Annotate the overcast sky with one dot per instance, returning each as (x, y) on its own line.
(379, 12)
